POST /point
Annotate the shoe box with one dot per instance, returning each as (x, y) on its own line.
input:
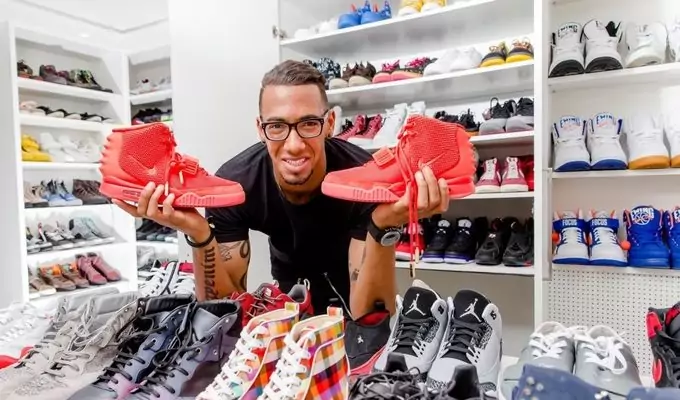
(643, 237)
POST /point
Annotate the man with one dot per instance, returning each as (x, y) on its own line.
(311, 236)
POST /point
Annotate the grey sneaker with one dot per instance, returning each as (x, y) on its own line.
(72, 311)
(154, 328)
(107, 237)
(79, 230)
(551, 346)
(605, 361)
(473, 337)
(422, 317)
(93, 347)
(209, 337)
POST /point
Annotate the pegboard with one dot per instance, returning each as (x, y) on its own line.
(616, 297)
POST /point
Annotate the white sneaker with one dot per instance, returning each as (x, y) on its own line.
(394, 120)
(646, 149)
(89, 150)
(443, 63)
(672, 131)
(605, 248)
(54, 148)
(604, 134)
(674, 40)
(71, 148)
(569, 145)
(25, 332)
(416, 108)
(567, 51)
(473, 337)
(646, 44)
(601, 46)
(571, 247)
(161, 281)
(184, 284)
(468, 58)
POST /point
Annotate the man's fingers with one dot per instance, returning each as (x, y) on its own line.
(128, 208)
(443, 195)
(143, 204)
(152, 210)
(423, 200)
(434, 197)
(167, 205)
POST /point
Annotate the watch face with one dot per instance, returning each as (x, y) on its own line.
(391, 238)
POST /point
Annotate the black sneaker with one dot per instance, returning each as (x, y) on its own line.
(491, 251)
(393, 384)
(434, 252)
(464, 385)
(523, 118)
(463, 244)
(520, 250)
(467, 119)
(365, 338)
(663, 326)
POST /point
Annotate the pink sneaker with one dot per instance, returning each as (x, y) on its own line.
(513, 177)
(358, 127)
(490, 181)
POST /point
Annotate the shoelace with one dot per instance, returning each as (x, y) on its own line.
(389, 386)
(605, 352)
(512, 170)
(462, 337)
(551, 345)
(572, 235)
(285, 382)
(570, 142)
(604, 235)
(180, 165)
(408, 330)
(237, 364)
(489, 170)
(158, 277)
(185, 284)
(602, 43)
(417, 63)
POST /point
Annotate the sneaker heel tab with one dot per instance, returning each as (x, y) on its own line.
(334, 311)
(292, 307)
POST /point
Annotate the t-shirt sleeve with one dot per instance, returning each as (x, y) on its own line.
(231, 223)
(361, 218)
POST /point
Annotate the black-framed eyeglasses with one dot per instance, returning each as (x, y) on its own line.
(307, 128)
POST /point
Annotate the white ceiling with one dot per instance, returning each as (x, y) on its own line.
(121, 16)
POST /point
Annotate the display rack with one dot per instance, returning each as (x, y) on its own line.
(430, 34)
(110, 70)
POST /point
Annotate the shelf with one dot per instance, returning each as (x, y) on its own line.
(618, 270)
(500, 195)
(69, 209)
(157, 96)
(46, 301)
(54, 89)
(63, 123)
(510, 138)
(654, 75)
(69, 253)
(471, 268)
(478, 82)
(626, 173)
(28, 165)
(408, 31)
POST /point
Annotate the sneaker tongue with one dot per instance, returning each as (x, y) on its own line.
(464, 223)
(673, 322)
(418, 302)
(645, 218)
(601, 214)
(568, 33)
(605, 124)
(569, 214)
(675, 216)
(202, 322)
(469, 306)
(268, 290)
(570, 127)
(443, 223)
(595, 30)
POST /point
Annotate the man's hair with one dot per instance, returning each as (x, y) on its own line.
(294, 73)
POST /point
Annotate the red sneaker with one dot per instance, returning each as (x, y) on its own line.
(269, 297)
(135, 156)
(403, 248)
(358, 127)
(513, 177)
(111, 274)
(490, 181)
(186, 267)
(85, 266)
(366, 138)
(527, 164)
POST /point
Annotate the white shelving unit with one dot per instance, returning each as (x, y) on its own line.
(430, 34)
(110, 70)
(590, 295)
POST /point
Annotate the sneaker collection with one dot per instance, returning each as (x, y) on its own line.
(56, 193)
(154, 232)
(512, 174)
(63, 150)
(598, 46)
(595, 143)
(78, 232)
(652, 238)
(31, 107)
(81, 78)
(82, 272)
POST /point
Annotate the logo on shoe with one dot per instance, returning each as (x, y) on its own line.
(470, 310)
(599, 222)
(570, 222)
(414, 306)
(676, 216)
(604, 120)
(444, 223)
(642, 215)
(566, 29)
(570, 122)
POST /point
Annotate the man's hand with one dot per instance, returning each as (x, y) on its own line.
(433, 198)
(186, 220)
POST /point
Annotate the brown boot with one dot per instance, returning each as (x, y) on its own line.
(71, 272)
(39, 284)
(83, 191)
(53, 276)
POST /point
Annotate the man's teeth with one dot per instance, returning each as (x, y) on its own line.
(296, 162)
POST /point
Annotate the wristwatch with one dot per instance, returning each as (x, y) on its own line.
(386, 237)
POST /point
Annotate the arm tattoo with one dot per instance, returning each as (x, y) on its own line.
(226, 248)
(209, 273)
(354, 276)
(244, 252)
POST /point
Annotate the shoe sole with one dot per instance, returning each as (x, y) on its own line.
(458, 188)
(603, 64)
(367, 367)
(650, 162)
(566, 68)
(189, 200)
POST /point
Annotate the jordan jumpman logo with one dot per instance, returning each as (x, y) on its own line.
(470, 310)
(414, 305)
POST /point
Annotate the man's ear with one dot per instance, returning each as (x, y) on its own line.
(260, 132)
(331, 123)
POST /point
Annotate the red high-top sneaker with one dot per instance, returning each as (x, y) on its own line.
(135, 156)
(269, 297)
(527, 164)
(442, 146)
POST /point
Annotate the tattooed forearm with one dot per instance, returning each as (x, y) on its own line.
(227, 248)
(354, 276)
(209, 273)
(244, 252)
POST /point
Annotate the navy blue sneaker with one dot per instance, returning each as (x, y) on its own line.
(463, 243)
(644, 225)
(538, 383)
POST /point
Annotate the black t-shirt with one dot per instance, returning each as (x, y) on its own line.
(309, 241)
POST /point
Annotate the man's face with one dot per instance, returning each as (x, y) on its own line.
(295, 159)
